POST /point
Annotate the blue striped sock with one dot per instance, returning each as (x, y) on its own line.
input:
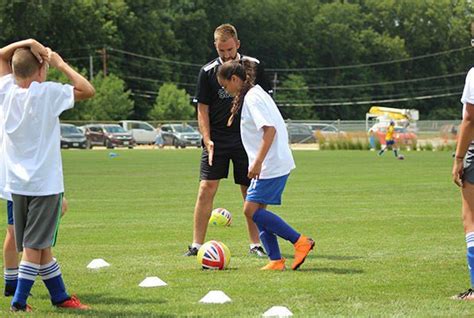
(470, 255)
(51, 275)
(11, 277)
(27, 273)
(274, 224)
(270, 242)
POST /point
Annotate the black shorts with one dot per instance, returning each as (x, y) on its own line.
(468, 173)
(221, 162)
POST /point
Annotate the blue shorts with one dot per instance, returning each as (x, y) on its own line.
(10, 212)
(266, 191)
(390, 142)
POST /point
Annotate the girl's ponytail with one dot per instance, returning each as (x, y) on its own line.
(249, 82)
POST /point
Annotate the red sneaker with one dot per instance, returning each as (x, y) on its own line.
(73, 303)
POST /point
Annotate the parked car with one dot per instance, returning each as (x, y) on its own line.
(300, 133)
(142, 132)
(108, 135)
(72, 137)
(401, 135)
(180, 135)
(327, 130)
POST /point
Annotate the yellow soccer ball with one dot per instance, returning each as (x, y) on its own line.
(220, 217)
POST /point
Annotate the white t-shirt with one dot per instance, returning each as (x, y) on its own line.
(259, 110)
(468, 96)
(468, 92)
(3, 195)
(31, 144)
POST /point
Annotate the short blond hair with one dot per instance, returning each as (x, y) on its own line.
(24, 63)
(224, 32)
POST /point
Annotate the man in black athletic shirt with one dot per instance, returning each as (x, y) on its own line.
(221, 144)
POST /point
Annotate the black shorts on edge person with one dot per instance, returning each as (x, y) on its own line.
(223, 154)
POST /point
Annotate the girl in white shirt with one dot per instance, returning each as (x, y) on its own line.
(265, 140)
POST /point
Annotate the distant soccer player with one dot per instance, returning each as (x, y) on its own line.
(463, 176)
(389, 140)
(33, 160)
(221, 144)
(265, 139)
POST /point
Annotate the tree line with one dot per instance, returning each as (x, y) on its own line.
(325, 59)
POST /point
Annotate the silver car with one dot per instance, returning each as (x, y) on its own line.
(180, 135)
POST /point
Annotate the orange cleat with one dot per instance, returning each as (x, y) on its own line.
(278, 265)
(303, 246)
(73, 303)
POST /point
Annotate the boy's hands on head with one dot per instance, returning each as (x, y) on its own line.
(38, 50)
(55, 60)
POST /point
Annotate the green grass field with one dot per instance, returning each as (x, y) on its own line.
(388, 234)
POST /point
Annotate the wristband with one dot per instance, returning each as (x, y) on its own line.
(459, 158)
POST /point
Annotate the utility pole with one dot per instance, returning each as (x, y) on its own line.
(275, 82)
(104, 60)
(91, 68)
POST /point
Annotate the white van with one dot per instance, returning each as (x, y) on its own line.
(142, 132)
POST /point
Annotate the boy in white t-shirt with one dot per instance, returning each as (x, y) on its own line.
(10, 255)
(31, 148)
(265, 140)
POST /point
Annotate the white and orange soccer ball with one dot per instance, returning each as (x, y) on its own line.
(221, 217)
(213, 255)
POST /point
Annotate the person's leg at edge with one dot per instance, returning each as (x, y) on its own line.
(10, 255)
(467, 193)
(10, 262)
(202, 210)
(269, 240)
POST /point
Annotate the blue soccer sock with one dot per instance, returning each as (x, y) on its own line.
(270, 242)
(27, 273)
(470, 255)
(11, 278)
(395, 152)
(274, 224)
(52, 278)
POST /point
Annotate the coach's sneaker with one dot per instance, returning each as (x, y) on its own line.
(73, 303)
(303, 246)
(467, 295)
(192, 251)
(258, 251)
(278, 265)
(15, 307)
